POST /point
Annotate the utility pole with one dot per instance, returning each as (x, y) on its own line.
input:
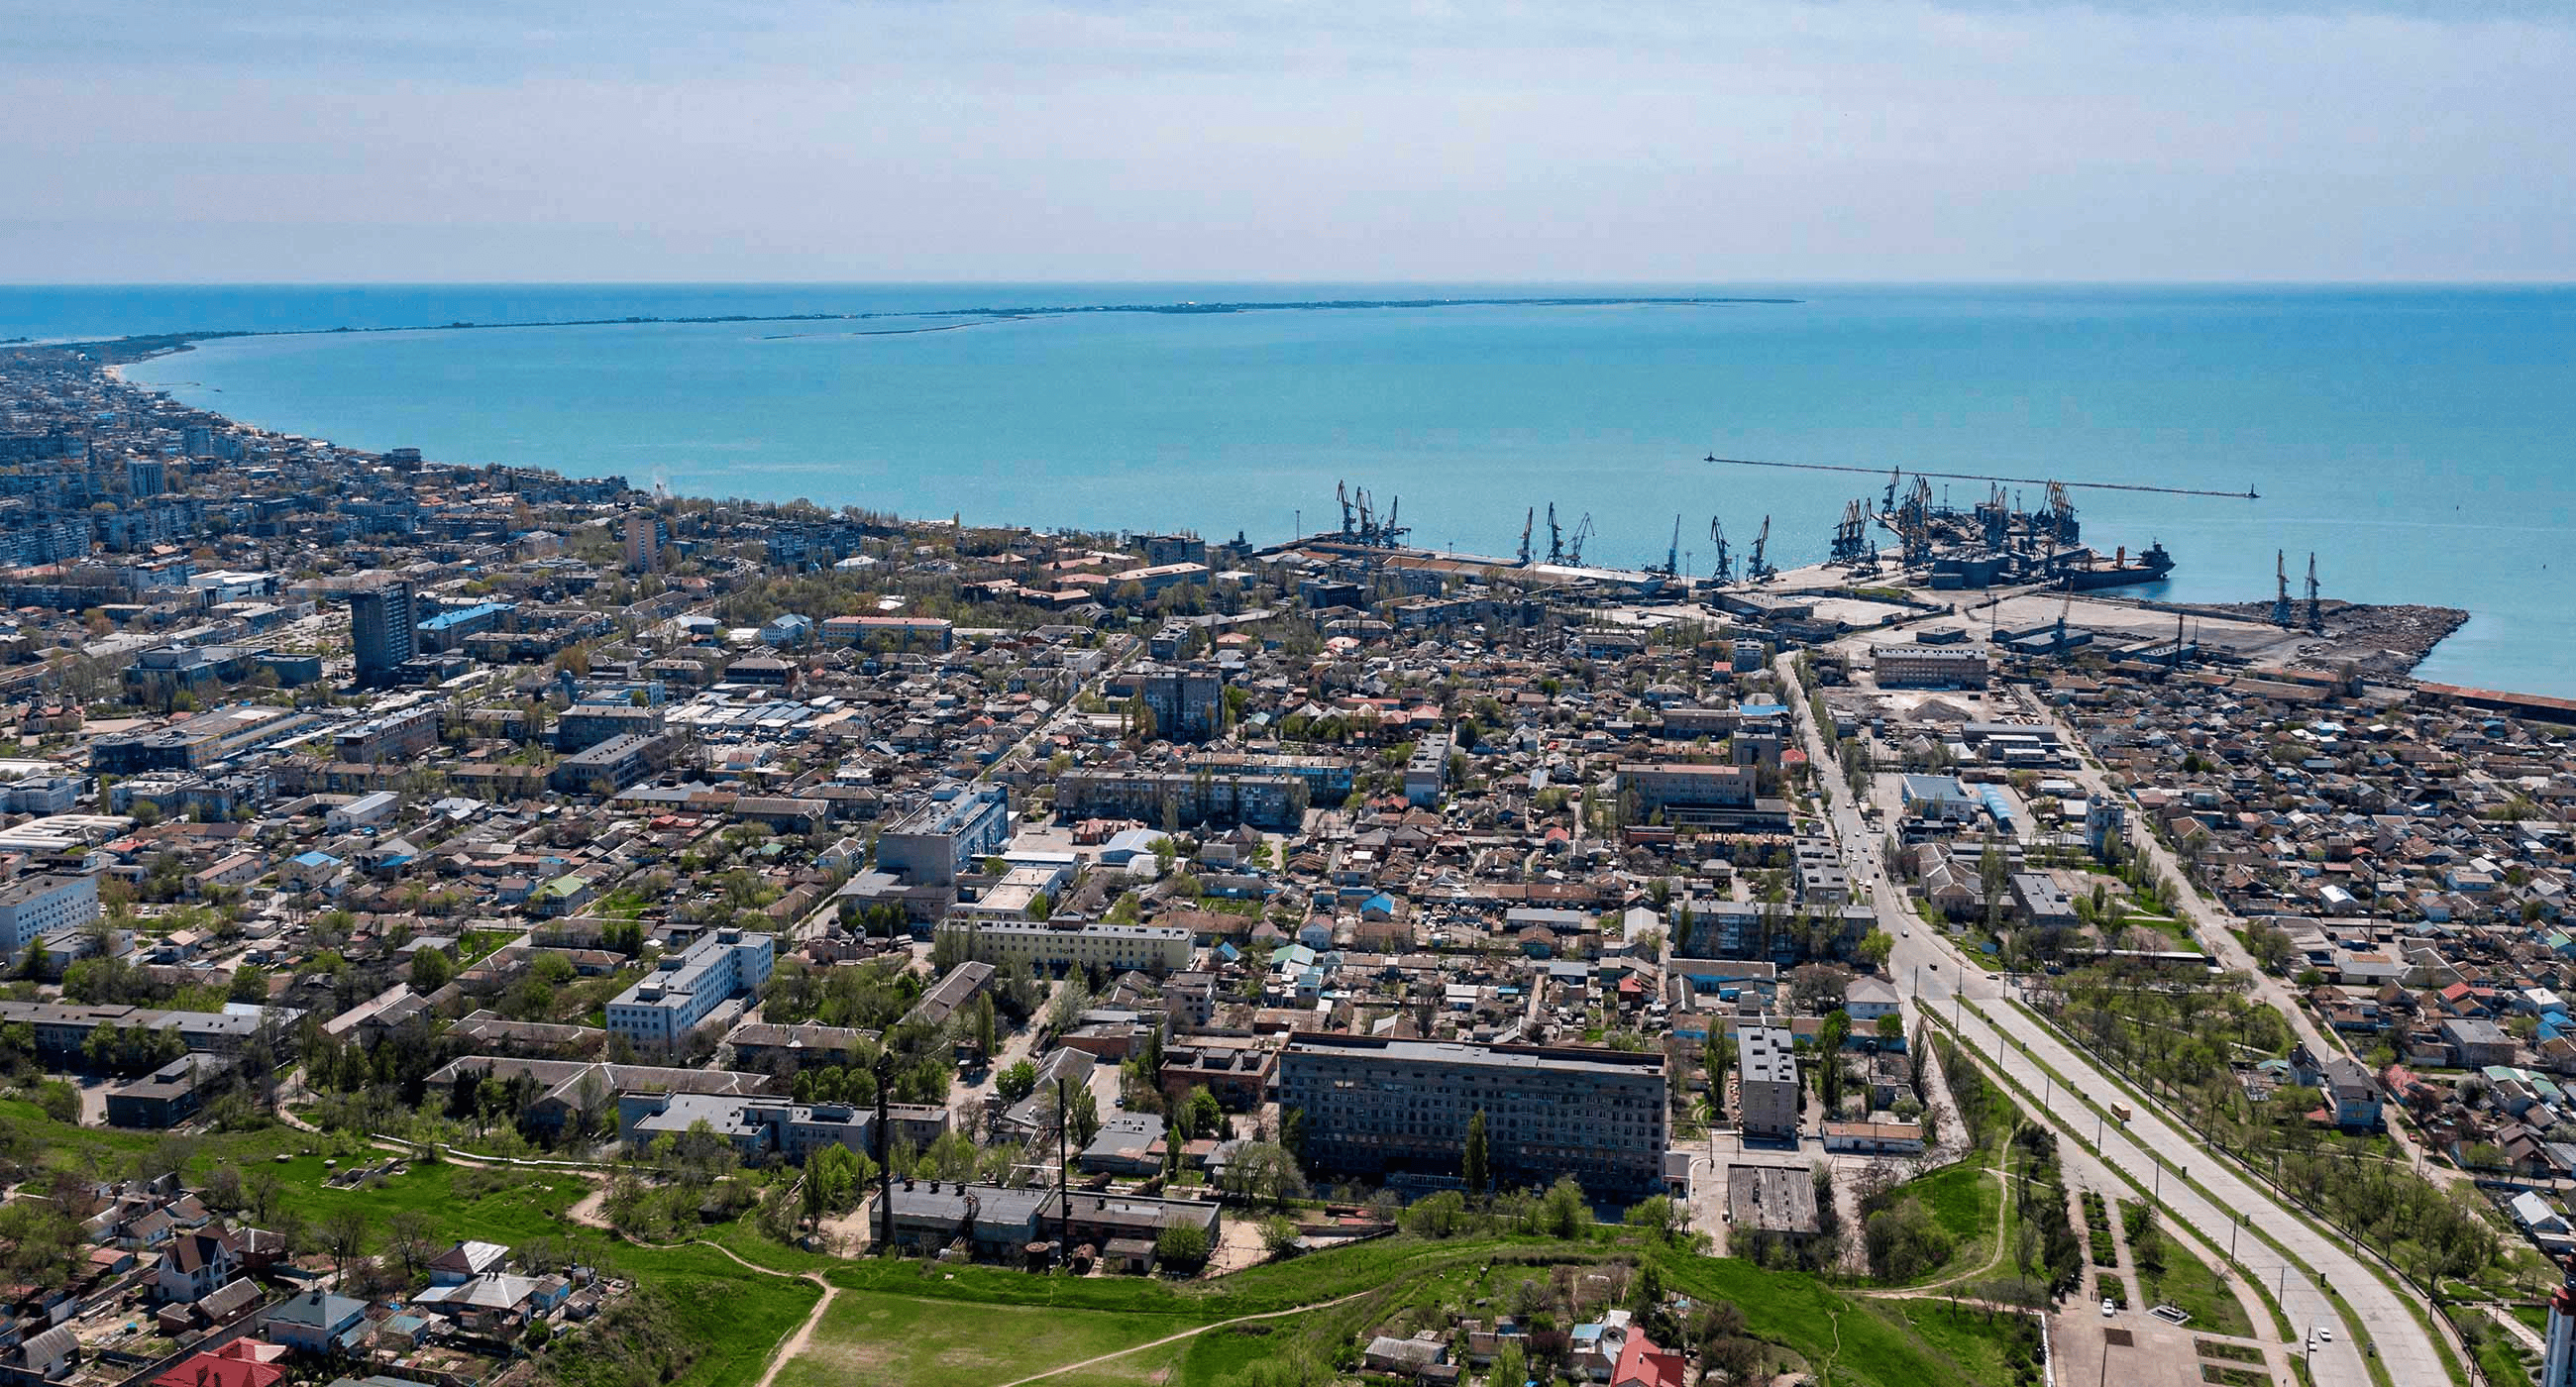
(1063, 1199)
(884, 1067)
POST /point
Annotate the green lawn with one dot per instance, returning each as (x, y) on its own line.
(737, 1317)
(2188, 1284)
(876, 1337)
(1853, 1344)
(1969, 1337)
(503, 1206)
(1966, 1201)
(904, 1322)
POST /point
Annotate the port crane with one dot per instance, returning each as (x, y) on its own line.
(1851, 539)
(1722, 567)
(1672, 553)
(1574, 546)
(2316, 612)
(1555, 537)
(2281, 577)
(1527, 522)
(1757, 568)
(1360, 522)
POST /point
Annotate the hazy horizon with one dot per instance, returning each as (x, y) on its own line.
(1239, 141)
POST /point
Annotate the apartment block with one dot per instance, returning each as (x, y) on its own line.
(1400, 1107)
(1264, 801)
(1766, 1071)
(37, 905)
(685, 988)
(934, 844)
(1076, 943)
(382, 623)
(1930, 667)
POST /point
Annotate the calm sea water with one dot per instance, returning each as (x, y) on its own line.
(2418, 440)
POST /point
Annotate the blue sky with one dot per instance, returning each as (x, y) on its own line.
(1323, 141)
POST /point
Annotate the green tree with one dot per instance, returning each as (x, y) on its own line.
(430, 970)
(1200, 1113)
(1183, 1245)
(1563, 1212)
(1657, 1214)
(1477, 1165)
(1016, 1082)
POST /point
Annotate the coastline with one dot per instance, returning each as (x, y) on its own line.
(2502, 647)
(2378, 640)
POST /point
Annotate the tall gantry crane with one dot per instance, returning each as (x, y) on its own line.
(1851, 546)
(1555, 537)
(1756, 567)
(2316, 609)
(1574, 546)
(1527, 522)
(2281, 576)
(1722, 568)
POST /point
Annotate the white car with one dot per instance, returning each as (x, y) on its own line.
(2109, 1309)
(2325, 1336)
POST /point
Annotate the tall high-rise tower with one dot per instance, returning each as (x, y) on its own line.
(382, 627)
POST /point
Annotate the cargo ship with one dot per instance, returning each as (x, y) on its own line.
(2150, 566)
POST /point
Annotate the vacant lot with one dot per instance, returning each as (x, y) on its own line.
(873, 1337)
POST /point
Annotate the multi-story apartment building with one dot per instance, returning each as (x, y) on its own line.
(685, 988)
(1766, 1071)
(614, 764)
(1930, 666)
(586, 724)
(33, 906)
(381, 623)
(961, 825)
(755, 1126)
(1378, 1106)
(646, 534)
(1686, 785)
(1264, 801)
(397, 736)
(1072, 943)
(1186, 700)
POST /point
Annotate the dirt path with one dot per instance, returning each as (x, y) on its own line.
(795, 1343)
(588, 1210)
(1063, 1368)
(2004, 1217)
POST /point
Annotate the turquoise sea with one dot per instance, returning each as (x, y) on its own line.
(2416, 439)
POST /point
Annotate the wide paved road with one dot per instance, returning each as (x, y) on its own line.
(1925, 964)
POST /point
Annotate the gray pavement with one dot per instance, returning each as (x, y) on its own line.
(2148, 1149)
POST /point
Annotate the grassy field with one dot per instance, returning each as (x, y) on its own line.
(880, 1337)
(1966, 1202)
(2189, 1284)
(904, 1322)
(1965, 1335)
(908, 1322)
